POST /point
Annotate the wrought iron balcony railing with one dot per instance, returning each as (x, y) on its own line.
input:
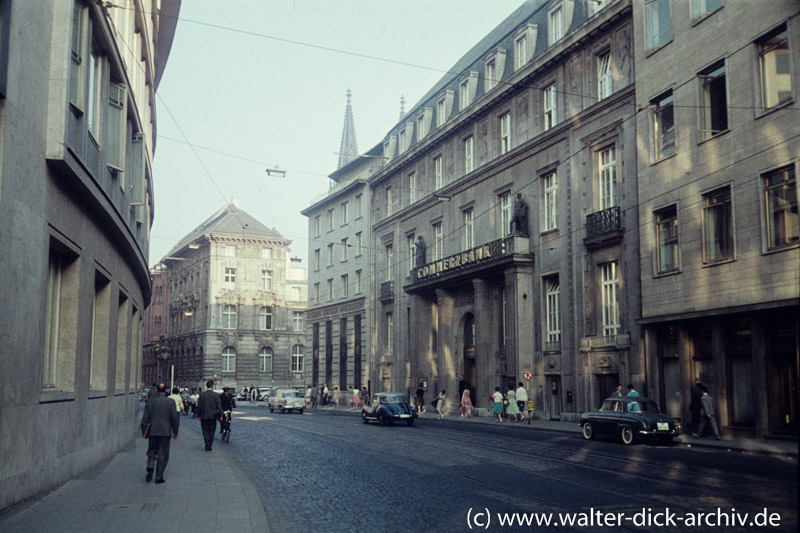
(602, 222)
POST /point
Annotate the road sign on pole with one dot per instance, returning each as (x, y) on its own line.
(527, 374)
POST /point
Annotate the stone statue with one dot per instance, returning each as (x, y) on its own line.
(419, 256)
(519, 221)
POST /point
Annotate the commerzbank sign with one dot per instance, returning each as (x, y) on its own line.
(473, 256)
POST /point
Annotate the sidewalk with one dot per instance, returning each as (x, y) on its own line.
(204, 492)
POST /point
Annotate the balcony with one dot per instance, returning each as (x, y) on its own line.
(604, 228)
(387, 291)
(618, 341)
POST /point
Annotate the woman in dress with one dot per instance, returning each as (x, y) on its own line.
(466, 404)
(497, 400)
(512, 409)
(440, 404)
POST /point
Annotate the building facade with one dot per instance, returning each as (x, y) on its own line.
(504, 220)
(154, 323)
(718, 163)
(236, 306)
(77, 86)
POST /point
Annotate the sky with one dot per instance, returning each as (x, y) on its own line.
(257, 84)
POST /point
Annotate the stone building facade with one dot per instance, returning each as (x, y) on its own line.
(77, 121)
(154, 327)
(236, 306)
(720, 239)
(505, 241)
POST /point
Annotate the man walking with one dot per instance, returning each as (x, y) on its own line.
(707, 415)
(159, 422)
(522, 400)
(209, 410)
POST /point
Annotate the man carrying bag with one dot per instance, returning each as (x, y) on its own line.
(209, 410)
(159, 422)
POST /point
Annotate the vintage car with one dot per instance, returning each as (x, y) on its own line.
(629, 419)
(286, 400)
(388, 408)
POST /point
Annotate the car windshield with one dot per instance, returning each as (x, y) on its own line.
(291, 394)
(394, 398)
(643, 407)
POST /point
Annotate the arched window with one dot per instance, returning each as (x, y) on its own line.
(265, 318)
(297, 358)
(265, 360)
(229, 359)
(229, 317)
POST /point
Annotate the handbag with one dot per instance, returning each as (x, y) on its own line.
(433, 403)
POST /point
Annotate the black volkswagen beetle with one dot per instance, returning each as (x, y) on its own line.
(629, 418)
(388, 408)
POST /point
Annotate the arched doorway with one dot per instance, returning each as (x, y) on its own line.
(470, 368)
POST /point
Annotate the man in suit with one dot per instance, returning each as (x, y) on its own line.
(209, 410)
(159, 423)
(707, 415)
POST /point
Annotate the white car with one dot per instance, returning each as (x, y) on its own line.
(287, 400)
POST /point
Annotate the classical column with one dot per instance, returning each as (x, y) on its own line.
(519, 319)
(444, 363)
(485, 352)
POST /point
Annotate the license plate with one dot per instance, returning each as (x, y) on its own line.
(405, 416)
(663, 426)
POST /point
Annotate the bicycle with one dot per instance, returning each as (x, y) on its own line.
(225, 431)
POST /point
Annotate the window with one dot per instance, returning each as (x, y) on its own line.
(664, 126)
(345, 214)
(389, 333)
(550, 102)
(359, 213)
(317, 226)
(53, 313)
(713, 100)
(330, 254)
(344, 249)
(359, 243)
(520, 51)
(95, 91)
(437, 172)
(297, 320)
(412, 188)
(330, 219)
(774, 66)
(77, 71)
(420, 127)
(657, 22)
(116, 130)
(552, 313)
(506, 207)
(468, 155)
(550, 183)
(389, 201)
(702, 7)
(229, 317)
(330, 289)
(717, 226)
(265, 318)
(781, 208)
(667, 237)
(555, 28)
(607, 164)
(441, 113)
(403, 140)
(229, 359)
(438, 244)
(345, 286)
(463, 95)
(358, 282)
(505, 133)
(491, 74)
(469, 230)
(604, 83)
(610, 285)
(316, 293)
(297, 293)
(265, 360)
(230, 277)
(597, 5)
(316, 259)
(389, 256)
(230, 250)
(411, 250)
(266, 253)
(266, 280)
(297, 358)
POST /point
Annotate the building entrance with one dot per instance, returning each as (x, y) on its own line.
(470, 368)
(555, 397)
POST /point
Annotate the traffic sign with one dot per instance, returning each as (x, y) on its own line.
(527, 375)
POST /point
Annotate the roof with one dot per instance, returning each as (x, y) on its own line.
(229, 221)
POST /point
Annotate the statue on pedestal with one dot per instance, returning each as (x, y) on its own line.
(419, 255)
(519, 221)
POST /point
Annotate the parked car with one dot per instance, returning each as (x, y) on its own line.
(263, 393)
(388, 408)
(242, 395)
(629, 419)
(287, 400)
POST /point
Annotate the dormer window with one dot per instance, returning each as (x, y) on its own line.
(424, 122)
(555, 27)
(444, 106)
(403, 140)
(420, 126)
(466, 89)
(494, 66)
(524, 45)
(491, 74)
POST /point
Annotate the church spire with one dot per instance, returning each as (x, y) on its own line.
(402, 107)
(348, 151)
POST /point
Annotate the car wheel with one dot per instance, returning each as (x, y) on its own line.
(281, 409)
(410, 422)
(381, 420)
(588, 432)
(300, 411)
(364, 418)
(627, 435)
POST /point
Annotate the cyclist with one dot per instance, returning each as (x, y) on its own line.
(228, 405)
